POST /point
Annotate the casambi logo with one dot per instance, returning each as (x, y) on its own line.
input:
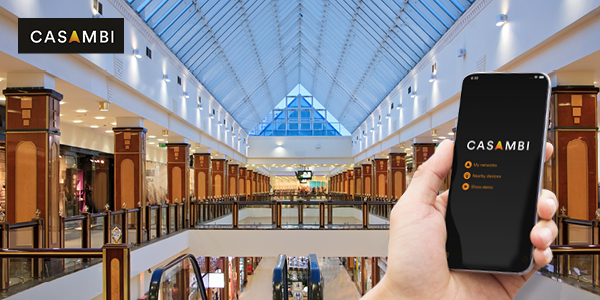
(489, 145)
(77, 35)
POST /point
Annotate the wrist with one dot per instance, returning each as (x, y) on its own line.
(382, 291)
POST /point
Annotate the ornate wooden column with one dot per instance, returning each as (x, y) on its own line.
(250, 184)
(571, 172)
(422, 152)
(367, 180)
(397, 175)
(32, 162)
(178, 170)
(130, 166)
(203, 176)
(218, 178)
(381, 177)
(178, 176)
(254, 182)
(351, 183)
(358, 184)
(242, 189)
(345, 182)
(233, 176)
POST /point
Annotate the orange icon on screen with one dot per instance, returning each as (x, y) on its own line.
(467, 175)
(468, 165)
(465, 186)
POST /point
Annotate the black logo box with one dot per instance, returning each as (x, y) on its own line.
(113, 26)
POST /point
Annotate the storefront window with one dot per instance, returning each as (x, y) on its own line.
(156, 182)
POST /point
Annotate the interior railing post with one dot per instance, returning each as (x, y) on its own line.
(117, 269)
(235, 214)
(563, 239)
(365, 209)
(596, 258)
(139, 229)
(86, 240)
(274, 212)
(125, 225)
(300, 208)
(177, 209)
(321, 214)
(38, 242)
(148, 211)
(106, 227)
(61, 228)
(330, 211)
(279, 215)
(4, 244)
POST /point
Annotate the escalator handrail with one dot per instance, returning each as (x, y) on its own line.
(157, 276)
(280, 277)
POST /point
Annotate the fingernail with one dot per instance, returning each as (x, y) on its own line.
(552, 205)
(546, 236)
(548, 254)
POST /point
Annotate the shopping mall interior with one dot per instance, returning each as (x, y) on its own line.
(255, 149)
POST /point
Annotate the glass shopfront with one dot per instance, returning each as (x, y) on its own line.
(86, 179)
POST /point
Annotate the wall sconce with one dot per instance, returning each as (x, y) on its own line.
(136, 53)
(388, 116)
(103, 106)
(166, 78)
(501, 19)
(432, 78)
(413, 94)
(461, 52)
(399, 106)
(165, 133)
(212, 116)
(185, 95)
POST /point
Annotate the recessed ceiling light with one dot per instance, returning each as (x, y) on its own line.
(152, 143)
(81, 111)
(161, 140)
(151, 136)
(62, 102)
(94, 126)
(99, 118)
(109, 131)
(77, 121)
(450, 133)
(60, 115)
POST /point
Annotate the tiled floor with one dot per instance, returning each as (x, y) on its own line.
(260, 284)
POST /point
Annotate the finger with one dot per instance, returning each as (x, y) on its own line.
(428, 177)
(543, 234)
(441, 203)
(547, 205)
(540, 259)
(549, 150)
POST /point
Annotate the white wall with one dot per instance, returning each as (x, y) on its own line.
(140, 89)
(301, 150)
(538, 37)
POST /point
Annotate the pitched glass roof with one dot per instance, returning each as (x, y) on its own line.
(348, 53)
(299, 114)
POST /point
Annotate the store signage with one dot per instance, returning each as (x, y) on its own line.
(71, 35)
(162, 145)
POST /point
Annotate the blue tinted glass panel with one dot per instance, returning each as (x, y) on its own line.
(279, 133)
(319, 132)
(293, 126)
(305, 115)
(317, 126)
(292, 132)
(305, 126)
(305, 132)
(305, 104)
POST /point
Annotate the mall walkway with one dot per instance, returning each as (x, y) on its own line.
(338, 285)
(260, 284)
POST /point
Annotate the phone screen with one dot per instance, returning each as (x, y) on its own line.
(498, 155)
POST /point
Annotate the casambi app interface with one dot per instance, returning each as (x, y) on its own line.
(495, 171)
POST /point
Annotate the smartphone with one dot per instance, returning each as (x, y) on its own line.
(497, 171)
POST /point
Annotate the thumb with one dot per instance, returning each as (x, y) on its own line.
(426, 182)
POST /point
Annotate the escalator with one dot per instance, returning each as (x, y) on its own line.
(178, 280)
(299, 283)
